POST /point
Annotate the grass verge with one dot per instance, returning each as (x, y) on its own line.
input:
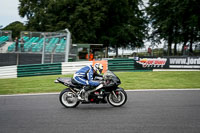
(160, 80)
(130, 80)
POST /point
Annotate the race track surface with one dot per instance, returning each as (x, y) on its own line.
(145, 112)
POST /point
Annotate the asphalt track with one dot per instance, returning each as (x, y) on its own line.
(172, 111)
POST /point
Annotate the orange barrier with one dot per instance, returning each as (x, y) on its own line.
(103, 62)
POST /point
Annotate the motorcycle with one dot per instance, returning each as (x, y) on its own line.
(107, 91)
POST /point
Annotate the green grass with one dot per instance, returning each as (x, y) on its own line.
(36, 84)
(160, 80)
(130, 80)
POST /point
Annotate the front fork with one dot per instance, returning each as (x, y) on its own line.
(116, 93)
(113, 92)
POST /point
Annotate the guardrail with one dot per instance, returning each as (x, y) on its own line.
(125, 65)
(41, 69)
(65, 68)
(121, 65)
(38, 70)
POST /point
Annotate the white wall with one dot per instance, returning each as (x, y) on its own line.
(72, 67)
(8, 72)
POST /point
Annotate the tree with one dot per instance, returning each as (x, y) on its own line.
(189, 19)
(176, 21)
(16, 27)
(115, 23)
(124, 24)
(35, 12)
(162, 18)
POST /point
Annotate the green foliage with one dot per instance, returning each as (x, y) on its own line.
(125, 24)
(115, 23)
(175, 21)
(16, 27)
(35, 12)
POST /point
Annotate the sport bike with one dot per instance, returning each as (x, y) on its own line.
(107, 91)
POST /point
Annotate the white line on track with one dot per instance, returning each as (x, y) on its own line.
(139, 90)
(192, 89)
(34, 94)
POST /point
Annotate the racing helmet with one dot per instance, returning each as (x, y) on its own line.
(98, 68)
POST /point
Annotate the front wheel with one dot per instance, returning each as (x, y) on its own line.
(68, 99)
(117, 98)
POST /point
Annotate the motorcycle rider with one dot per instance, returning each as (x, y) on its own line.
(85, 77)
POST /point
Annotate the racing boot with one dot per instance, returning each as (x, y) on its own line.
(81, 95)
(86, 94)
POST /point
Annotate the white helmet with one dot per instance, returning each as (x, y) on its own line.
(98, 68)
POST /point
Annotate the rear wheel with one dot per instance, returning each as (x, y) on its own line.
(117, 98)
(68, 99)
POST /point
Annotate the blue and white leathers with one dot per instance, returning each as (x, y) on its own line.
(84, 76)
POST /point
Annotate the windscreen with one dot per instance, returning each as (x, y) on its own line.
(109, 73)
(111, 76)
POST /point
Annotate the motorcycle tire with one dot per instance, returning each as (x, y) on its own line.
(119, 101)
(68, 99)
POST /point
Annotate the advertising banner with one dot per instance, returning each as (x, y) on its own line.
(184, 62)
(148, 63)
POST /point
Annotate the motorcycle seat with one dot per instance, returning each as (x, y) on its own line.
(69, 82)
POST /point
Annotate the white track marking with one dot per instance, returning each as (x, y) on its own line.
(138, 90)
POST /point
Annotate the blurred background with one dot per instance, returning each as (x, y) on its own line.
(34, 29)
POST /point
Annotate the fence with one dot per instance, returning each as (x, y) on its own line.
(62, 68)
(140, 64)
(7, 59)
(41, 69)
(121, 65)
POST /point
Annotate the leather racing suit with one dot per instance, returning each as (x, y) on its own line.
(85, 75)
